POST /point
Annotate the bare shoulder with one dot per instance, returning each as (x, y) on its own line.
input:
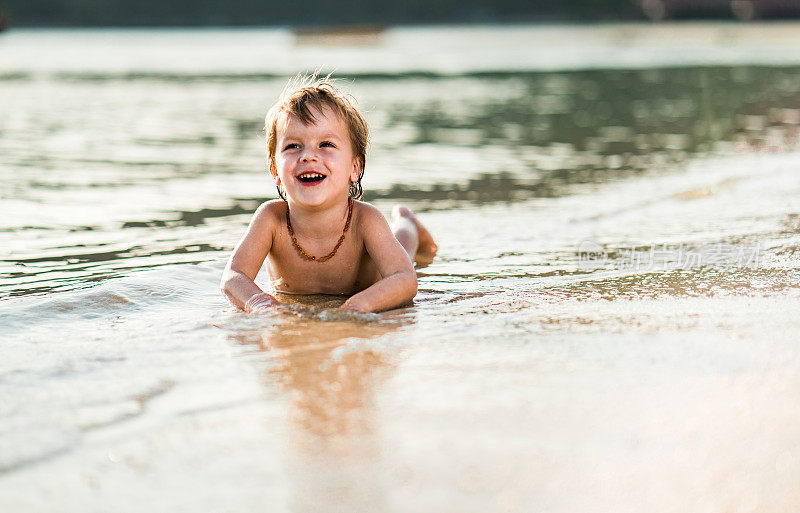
(269, 214)
(368, 216)
(367, 212)
(256, 243)
(275, 208)
(266, 220)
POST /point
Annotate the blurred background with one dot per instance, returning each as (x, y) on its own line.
(121, 13)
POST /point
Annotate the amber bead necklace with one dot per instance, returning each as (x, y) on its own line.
(335, 249)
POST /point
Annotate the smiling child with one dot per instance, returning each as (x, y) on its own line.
(319, 239)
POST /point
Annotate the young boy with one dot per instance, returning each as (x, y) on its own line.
(319, 239)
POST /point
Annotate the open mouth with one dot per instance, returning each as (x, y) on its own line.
(311, 178)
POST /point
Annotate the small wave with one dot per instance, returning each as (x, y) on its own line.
(333, 314)
(54, 270)
(150, 288)
(311, 307)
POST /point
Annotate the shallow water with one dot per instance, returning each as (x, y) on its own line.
(610, 324)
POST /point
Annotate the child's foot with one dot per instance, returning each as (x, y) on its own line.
(426, 249)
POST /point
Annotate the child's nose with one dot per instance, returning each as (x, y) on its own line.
(308, 155)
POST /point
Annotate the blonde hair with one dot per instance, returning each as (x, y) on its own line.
(302, 94)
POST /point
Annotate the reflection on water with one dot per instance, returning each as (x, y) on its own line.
(602, 125)
(329, 372)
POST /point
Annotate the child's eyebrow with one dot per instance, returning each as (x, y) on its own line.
(331, 135)
(328, 135)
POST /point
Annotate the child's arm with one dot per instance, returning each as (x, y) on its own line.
(238, 278)
(399, 282)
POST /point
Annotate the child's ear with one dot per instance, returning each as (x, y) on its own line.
(355, 174)
(274, 172)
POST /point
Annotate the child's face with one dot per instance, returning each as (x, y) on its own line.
(315, 162)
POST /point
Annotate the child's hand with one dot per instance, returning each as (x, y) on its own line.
(261, 303)
(352, 306)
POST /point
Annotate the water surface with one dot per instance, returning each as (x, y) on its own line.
(610, 323)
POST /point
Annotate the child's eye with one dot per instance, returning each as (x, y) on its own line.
(327, 144)
(291, 146)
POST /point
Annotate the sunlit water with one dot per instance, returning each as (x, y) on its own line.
(610, 324)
